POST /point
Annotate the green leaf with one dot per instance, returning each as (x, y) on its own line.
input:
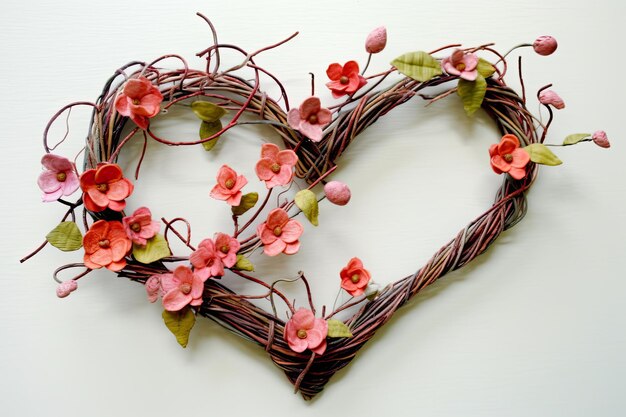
(243, 264)
(484, 68)
(155, 249)
(66, 236)
(337, 328)
(208, 129)
(575, 138)
(472, 93)
(247, 202)
(540, 154)
(207, 111)
(180, 324)
(307, 202)
(418, 65)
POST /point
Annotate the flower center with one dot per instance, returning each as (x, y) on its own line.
(135, 227)
(355, 278)
(460, 66)
(277, 231)
(136, 101)
(302, 334)
(185, 288)
(275, 168)
(344, 80)
(508, 157)
(229, 184)
(104, 243)
(225, 249)
(61, 176)
(102, 187)
(313, 119)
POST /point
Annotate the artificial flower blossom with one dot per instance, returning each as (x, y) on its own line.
(139, 100)
(105, 187)
(181, 288)
(226, 248)
(140, 227)
(275, 166)
(205, 260)
(309, 118)
(279, 234)
(549, 97)
(461, 64)
(344, 79)
(58, 179)
(229, 186)
(507, 156)
(354, 277)
(106, 244)
(304, 331)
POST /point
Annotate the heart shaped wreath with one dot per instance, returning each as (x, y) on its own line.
(310, 348)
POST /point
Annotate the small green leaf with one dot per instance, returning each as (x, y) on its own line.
(155, 249)
(472, 93)
(484, 68)
(575, 138)
(540, 154)
(66, 236)
(180, 324)
(208, 129)
(418, 65)
(243, 264)
(247, 202)
(207, 111)
(337, 328)
(307, 202)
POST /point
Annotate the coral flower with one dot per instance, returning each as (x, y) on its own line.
(279, 234)
(507, 156)
(181, 288)
(304, 331)
(226, 248)
(105, 187)
(58, 179)
(461, 64)
(354, 278)
(140, 227)
(275, 166)
(228, 186)
(106, 245)
(139, 100)
(344, 80)
(206, 261)
(310, 118)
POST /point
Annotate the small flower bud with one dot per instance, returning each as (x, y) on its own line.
(337, 193)
(376, 40)
(549, 97)
(372, 290)
(600, 139)
(65, 288)
(545, 45)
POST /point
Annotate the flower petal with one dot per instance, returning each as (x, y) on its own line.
(321, 348)
(274, 248)
(175, 300)
(292, 248)
(108, 173)
(309, 107)
(293, 118)
(334, 71)
(313, 132)
(119, 190)
(350, 67)
(56, 163)
(508, 144)
(303, 319)
(269, 150)
(136, 88)
(314, 337)
(277, 218)
(499, 164)
(520, 158)
(48, 182)
(263, 169)
(103, 256)
(291, 231)
(324, 116)
(287, 157)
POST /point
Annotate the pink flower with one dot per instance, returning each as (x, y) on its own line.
(310, 118)
(139, 100)
(228, 186)
(354, 278)
(545, 45)
(206, 261)
(549, 97)
(304, 331)
(344, 80)
(140, 227)
(600, 139)
(507, 156)
(337, 193)
(58, 179)
(461, 64)
(105, 187)
(226, 248)
(153, 288)
(376, 40)
(275, 166)
(181, 288)
(279, 234)
(65, 288)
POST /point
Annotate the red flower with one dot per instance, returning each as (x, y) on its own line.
(354, 278)
(344, 80)
(139, 100)
(228, 186)
(279, 234)
(106, 244)
(275, 166)
(105, 187)
(507, 156)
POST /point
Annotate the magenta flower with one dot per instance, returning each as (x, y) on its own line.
(344, 80)
(153, 288)
(275, 166)
(226, 249)
(139, 100)
(376, 40)
(58, 179)
(181, 288)
(279, 234)
(206, 261)
(304, 331)
(461, 64)
(354, 277)
(599, 138)
(228, 186)
(140, 227)
(545, 45)
(310, 118)
(549, 97)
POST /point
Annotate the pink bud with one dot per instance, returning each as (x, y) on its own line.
(600, 139)
(153, 288)
(65, 288)
(376, 40)
(549, 97)
(337, 193)
(545, 45)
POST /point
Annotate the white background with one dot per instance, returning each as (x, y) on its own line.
(536, 326)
